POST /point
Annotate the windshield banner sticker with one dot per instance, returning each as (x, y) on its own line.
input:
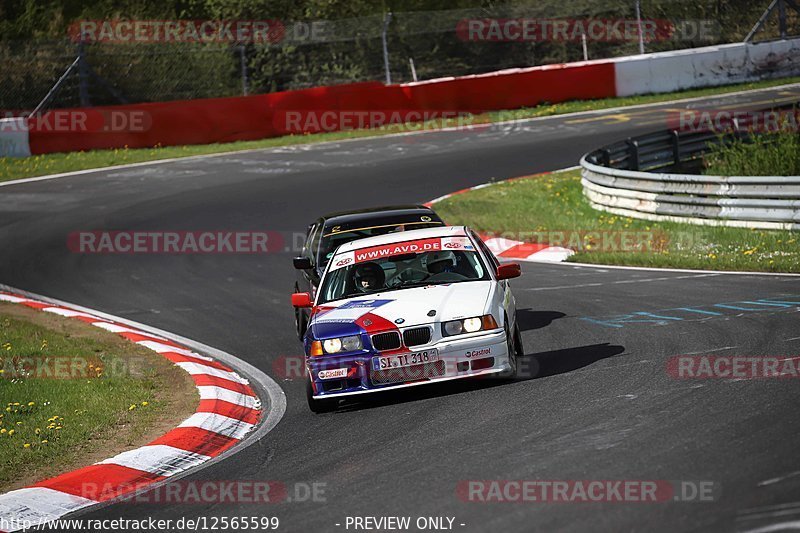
(401, 248)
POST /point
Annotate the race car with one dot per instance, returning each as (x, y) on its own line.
(406, 309)
(331, 231)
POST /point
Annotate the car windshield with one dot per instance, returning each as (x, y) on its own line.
(369, 272)
(331, 239)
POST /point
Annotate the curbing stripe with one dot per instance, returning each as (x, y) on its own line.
(160, 459)
(37, 505)
(227, 412)
(197, 440)
(226, 395)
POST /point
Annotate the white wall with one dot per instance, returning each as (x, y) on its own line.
(14, 137)
(706, 67)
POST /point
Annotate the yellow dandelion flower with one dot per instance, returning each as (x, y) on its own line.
(145, 404)
(11, 433)
(31, 404)
(132, 407)
(44, 441)
(3, 431)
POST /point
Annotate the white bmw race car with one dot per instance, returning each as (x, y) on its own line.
(406, 309)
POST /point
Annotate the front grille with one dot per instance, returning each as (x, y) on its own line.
(408, 373)
(417, 336)
(386, 341)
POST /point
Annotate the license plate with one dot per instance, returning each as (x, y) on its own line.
(401, 360)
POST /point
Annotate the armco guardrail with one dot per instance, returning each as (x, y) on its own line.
(628, 178)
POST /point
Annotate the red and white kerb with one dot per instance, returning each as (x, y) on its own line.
(227, 411)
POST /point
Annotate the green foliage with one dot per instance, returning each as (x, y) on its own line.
(34, 51)
(773, 154)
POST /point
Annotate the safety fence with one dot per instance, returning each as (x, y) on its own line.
(635, 178)
(340, 107)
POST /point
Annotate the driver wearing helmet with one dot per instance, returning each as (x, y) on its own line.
(369, 277)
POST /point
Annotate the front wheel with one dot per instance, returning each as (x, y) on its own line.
(319, 406)
(515, 350)
(300, 320)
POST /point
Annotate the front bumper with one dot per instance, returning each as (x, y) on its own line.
(466, 356)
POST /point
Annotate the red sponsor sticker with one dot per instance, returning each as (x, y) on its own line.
(398, 248)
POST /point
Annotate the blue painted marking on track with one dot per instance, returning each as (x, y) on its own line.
(667, 316)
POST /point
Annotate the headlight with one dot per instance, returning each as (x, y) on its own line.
(453, 328)
(472, 325)
(468, 325)
(342, 344)
(332, 345)
(350, 344)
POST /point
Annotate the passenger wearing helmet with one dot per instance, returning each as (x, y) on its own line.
(440, 263)
(369, 277)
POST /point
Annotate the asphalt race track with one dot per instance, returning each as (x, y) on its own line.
(601, 406)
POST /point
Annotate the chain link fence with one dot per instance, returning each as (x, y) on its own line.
(421, 45)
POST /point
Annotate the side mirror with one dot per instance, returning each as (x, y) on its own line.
(302, 263)
(302, 299)
(508, 271)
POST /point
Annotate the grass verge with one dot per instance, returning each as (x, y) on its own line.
(72, 394)
(40, 165)
(551, 208)
(769, 154)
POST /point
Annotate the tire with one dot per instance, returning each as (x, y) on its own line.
(319, 406)
(300, 321)
(512, 346)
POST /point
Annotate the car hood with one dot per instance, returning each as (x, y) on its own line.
(406, 307)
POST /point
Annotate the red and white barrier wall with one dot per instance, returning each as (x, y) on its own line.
(214, 120)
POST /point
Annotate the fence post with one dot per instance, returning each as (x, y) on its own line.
(83, 75)
(639, 26)
(676, 147)
(413, 68)
(387, 19)
(243, 67)
(633, 154)
(782, 18)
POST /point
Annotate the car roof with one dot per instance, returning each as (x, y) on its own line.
(345, 217)
(403, 236)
